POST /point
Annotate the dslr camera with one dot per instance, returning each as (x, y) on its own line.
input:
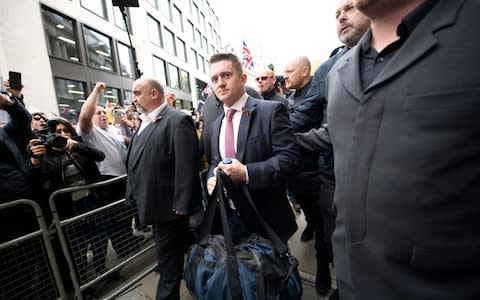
(51, 140)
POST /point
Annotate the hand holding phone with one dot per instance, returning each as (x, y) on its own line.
(118, 116)
(15, 80)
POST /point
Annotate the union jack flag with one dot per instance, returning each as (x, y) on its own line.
(247, 58)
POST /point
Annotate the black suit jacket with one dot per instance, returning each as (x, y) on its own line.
(266, 145)
(163, 164)
(407, 164)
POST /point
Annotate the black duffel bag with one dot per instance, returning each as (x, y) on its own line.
(256, 268)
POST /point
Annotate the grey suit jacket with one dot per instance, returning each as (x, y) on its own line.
(407, 164)
(163, 164)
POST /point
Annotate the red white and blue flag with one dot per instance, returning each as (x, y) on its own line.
(247, 58)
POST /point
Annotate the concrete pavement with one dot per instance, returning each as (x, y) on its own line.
(304, 252)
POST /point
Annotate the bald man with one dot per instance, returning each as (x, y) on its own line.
(266, 85)
(163, 164)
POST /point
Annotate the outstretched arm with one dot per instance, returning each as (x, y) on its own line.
(315, 140)
(90, 107)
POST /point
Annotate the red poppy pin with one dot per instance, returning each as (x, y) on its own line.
(245, 112)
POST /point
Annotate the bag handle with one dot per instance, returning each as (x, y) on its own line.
(206, 227)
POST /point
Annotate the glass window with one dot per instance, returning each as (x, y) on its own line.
(169, 41)
(201, 60)
(159, 70)
(154, 31)
(210, 30)
(95, 6)
(181, 50)
(184, 81)
(202, 19)
(126, 60)
(205, 43)
(194, 57)
(173, 75)
(177, 18)
(128, 96)
(199, 37)
(153, 3)
(165, 9)
(191, 31)
(99, 50)
(61, 36)
(117, 14)
(110, 99)
(70, 98)
(196, 12)
(212, 50)
(190, 6)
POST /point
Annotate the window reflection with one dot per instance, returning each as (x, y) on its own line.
(95, 6)
(99, 50)
(126, 60)
(177, 18)
(184, 81)
(173, 75)
(61, 37)
(181, 50)
(109, 98)
(154, 31)
(117, 15)
(159, 70)
(70, 98)
(169, 41)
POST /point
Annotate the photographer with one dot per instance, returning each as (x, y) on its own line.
(60, 160)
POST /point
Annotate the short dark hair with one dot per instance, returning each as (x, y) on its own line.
(237, 65)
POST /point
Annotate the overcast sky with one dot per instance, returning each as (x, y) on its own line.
(280, 30)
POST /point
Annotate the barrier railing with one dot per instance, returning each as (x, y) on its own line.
(28, 266)
(95, 231)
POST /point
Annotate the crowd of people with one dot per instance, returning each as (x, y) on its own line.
(377, 149)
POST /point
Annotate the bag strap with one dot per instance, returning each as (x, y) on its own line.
(280, 246)
(206, 228)
(232, 266)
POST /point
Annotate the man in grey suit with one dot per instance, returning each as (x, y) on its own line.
(163, 164)
(263, 149)
(403, 118)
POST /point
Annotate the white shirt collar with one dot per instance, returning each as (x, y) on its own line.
(238, 105)
(149, 118)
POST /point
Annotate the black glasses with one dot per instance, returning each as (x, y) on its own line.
(38, 118)
(263, 78)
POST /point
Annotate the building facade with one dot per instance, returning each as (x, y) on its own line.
(62, 47)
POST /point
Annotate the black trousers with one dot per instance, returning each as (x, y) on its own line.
(170, 238)
(324, 214)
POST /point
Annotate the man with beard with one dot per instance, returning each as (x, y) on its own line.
(403, 120)
(351, 25)
(163, 164)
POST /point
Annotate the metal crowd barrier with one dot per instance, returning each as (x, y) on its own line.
(95, 232)
(28, 267)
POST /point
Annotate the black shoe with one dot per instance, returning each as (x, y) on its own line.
(307, 234)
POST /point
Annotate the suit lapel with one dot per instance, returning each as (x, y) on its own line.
(243, 129)
(420, 42)
(215, 133)
(143, 138)
(349, 72)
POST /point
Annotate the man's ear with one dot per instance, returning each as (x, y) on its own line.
(154, 93)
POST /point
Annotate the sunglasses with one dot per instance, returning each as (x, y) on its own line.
(38, 118)
(263, 78)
